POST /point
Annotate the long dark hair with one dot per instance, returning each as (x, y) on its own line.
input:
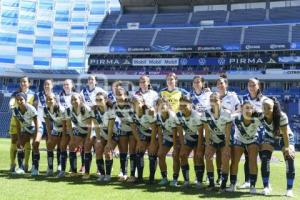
(259, 92)
(276, 116)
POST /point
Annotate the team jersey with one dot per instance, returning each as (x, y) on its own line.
(143, 123)
(269, 130)
(125, 114)
(41, 99)
(112, 97)
(200, 101)
(217, 127)
(89, 96)
(103, 119)
(56, 118)
(167, 125)
(26, 119)
(173, 97)
(246, 134)
(30, 98)
(190, 124)
(78, 120)
(230, 101)
(256, 102)
(64, 99)
(150, 97)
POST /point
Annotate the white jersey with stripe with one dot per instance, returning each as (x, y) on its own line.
(283, 122)
(78, 120)
(144, 122)
(256, 102)
(200, 101)
(103, 118)
(64, 100)
(150, 97)
(217, 126)
(230, 101)
(246, 133)
(167, 125)
(26, 119)
(89, 96)
(41, 99)
(56, 118)
(125, 114)
(190, 124)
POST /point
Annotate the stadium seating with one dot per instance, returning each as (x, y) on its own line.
(102, 38)
(218, 16)
(285, 14)
(142, 19)
(133, 38)
(174, 19)
(296, 33)
(110, 20)
(247, 15)
(220, 36)
(266, 34)
(4, 123)
(176, 37)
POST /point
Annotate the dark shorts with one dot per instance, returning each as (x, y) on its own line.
(277, 142)
(243, 145)
(76, 132)
(167, 143)
(217, 145)
(145, 138)
(125, 133)
(115, 138)
(190, 143)
(56, 133)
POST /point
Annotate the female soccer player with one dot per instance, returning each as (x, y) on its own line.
(231, 102)
(78, 119)
(106, 127)
(277, 134)
(64, 99)
(217, 124)
(172, 93)
(88, 93)
(24, 87)
(124, 111)
(255, 97)
(167, 132)
(191, 137)
(245, 137)
(28, 127)
(53, 116)
(143, 127)
(145, 90)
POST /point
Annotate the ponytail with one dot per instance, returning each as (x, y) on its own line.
(276, 116)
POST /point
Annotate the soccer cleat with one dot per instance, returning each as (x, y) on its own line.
(252, 190)
(123, 178)
(58, 168)
(107, 178)
(131, 179)
(26, 168)
(34, 172)
(186, 184)
(289, 193)
(221, 190)
(174, 183)
(120, 175)
(101, 178)
(73, 174)
(199, 185)
(86, 176)
(218, 182)
(232, 188)
(163, 182)
(19, 171)
(245, 185)
(12, 168)
(82, 169)
(49, 172)
(266, 191)
(210, 188)
(61, 174)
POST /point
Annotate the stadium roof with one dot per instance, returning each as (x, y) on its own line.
(146, 3)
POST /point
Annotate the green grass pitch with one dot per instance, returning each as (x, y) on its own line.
(25, 187)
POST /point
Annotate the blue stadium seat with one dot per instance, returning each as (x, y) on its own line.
(285, 14)
(220, 36)
(176, 37)
(133, 38)
(218, 16)
(241, 16)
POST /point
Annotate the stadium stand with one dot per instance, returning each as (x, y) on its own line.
(133, 38)
(220, 36)
(176, 37)
(247, 15)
